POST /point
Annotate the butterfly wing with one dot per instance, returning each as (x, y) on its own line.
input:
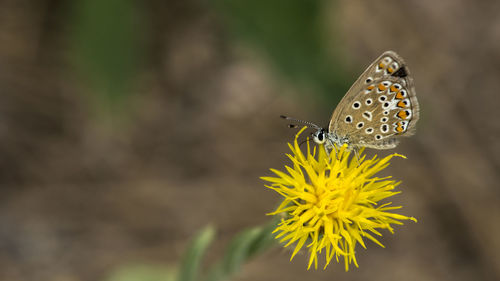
(379, 107)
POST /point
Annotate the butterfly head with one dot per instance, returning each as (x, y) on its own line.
(319, 136)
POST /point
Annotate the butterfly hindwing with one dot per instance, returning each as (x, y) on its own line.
(379, 107)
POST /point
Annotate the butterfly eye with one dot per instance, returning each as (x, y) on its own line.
(319, 137)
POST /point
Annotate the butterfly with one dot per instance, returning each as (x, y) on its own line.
(378, 109)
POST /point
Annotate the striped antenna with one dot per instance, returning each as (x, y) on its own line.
(300, 121)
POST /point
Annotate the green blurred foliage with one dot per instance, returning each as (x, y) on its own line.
(105, 38)
(292, 33)
(244, 246)
(143, 273)
(190, 266)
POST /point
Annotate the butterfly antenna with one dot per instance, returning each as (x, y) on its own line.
(299, 121)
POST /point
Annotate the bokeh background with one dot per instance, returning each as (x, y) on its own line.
(127, 126)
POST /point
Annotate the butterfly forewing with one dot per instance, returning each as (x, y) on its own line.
(379, 107)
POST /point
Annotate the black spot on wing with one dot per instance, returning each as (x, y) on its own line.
(401, 72)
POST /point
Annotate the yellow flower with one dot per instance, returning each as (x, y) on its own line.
(331, 203)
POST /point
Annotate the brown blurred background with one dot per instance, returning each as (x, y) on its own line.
(126, 126)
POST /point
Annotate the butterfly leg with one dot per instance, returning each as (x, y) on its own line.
(357, 155)
(336, 153)
(331, 148)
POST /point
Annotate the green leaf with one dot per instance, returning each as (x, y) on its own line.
(265, 239)
(244, 246)
(190, 267)
(237, 251)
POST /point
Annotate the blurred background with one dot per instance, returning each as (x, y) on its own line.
(127, 126)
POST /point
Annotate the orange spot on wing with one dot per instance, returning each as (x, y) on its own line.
(381, 65)
(390, 70)
(401, 104)
(402, 114)
(393, 89)
(399, 128)
(371, 87)
(381, 87)
(399, 96)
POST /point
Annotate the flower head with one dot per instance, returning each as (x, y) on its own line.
(332, 203)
